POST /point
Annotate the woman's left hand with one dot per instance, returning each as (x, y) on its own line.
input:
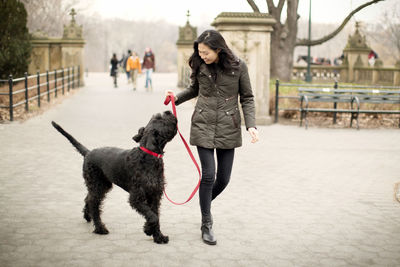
(254, 134)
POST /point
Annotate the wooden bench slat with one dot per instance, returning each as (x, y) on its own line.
(329, 100)
(382, 111)
(331, 110)
(395, 97)
(361, 91)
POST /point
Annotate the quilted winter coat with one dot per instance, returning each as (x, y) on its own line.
(216, 121)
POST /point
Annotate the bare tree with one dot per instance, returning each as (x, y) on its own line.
(107, 36)
(392, 23)
(284, 37)
(48, 16)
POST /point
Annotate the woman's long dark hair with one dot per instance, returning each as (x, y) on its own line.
(213, 39)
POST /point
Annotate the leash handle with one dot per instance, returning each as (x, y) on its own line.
(168, 99)
(171, 98)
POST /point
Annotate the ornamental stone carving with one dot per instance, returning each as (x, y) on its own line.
(72, 30)
(356, 52)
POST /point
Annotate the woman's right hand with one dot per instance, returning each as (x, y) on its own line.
(169, 92)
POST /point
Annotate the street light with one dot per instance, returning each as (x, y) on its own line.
(308, 75)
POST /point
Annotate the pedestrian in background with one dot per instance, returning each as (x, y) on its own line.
(372, 56)
(134, 67)
(128, 74)
(114, 69)
(149, 65)
(218, 80)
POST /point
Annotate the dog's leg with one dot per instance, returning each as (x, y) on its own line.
(94, 203)
(97, 187)
(154, 204)
(86, 213)
(138, 201)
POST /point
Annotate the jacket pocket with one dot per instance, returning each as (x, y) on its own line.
(196, 111)
(230, 78)
(230, 99)
(233, 114)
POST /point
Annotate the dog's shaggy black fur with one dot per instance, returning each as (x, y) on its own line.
(138, 173)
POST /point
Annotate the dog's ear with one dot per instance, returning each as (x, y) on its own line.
(139, 136)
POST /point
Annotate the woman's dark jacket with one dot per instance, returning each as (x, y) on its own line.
(114, 66)
(216, 118)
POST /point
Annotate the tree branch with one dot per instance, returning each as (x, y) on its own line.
(280, 6)
(275, 11)
(305, 42)
(291, 11)
(253, 6)
(271, 7)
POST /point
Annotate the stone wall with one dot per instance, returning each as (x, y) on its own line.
(55, 53)
(355, 67)
(361, 75)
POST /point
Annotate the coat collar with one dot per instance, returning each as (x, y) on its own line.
(203, 69)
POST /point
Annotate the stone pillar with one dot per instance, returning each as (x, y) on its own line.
(396, 78)
(356, 53)
(72, 43)
(55, 53)
(187, 35)
(40, 55)
(249, 37)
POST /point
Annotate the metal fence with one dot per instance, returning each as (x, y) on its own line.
(23, 90)
(334, 86)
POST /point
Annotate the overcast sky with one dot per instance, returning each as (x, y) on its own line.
(204, 11)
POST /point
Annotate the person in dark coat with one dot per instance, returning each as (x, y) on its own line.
(114, 68)
(220, 81)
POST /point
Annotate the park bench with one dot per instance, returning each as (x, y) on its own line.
(354, 98)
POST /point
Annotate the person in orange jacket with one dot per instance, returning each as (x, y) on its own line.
(134, 67)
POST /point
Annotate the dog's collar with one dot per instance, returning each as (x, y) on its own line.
(151, 152)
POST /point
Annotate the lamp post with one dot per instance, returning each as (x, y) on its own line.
(308, 75)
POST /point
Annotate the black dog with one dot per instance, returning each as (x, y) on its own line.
(138, 172)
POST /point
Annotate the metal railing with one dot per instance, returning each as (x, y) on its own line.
(334, 86)
(54, 81)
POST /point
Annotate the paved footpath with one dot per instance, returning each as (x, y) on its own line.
(316, 197)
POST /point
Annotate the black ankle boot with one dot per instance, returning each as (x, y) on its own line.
(207, 233)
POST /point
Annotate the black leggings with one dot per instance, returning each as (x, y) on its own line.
(210, 187)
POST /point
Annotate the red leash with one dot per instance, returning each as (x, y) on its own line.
(171, 99)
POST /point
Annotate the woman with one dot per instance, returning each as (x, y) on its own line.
(149, 65)
(218, 78)
(114, 69)
(134, 67)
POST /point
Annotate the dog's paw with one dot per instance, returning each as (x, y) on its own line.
(87, 217)
(161, 239)
(101, 231)
(148, 230)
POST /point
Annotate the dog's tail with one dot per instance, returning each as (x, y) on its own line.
(81, 148)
